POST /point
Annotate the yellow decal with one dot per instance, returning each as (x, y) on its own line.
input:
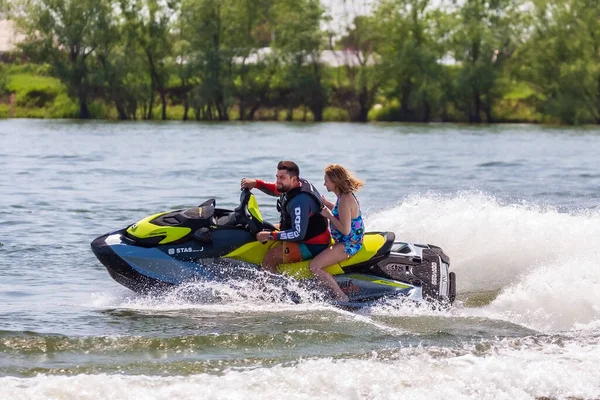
(144, 229)
(254, 252)
(253, 208)
(378, 281)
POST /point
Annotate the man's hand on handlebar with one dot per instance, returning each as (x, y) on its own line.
(248, 183)
(263, 236)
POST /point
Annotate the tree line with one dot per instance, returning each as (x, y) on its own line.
(421, 60)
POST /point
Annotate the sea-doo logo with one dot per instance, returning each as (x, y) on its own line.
(133, 227)
(298, 213)
(434, 273)
(291, 235)
(296, 233)
(180, 250)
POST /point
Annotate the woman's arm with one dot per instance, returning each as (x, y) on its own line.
(327, 203)
(342, 223)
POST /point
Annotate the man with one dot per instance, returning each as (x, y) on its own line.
(303, 231)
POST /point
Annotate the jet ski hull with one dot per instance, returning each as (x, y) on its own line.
(151, 269)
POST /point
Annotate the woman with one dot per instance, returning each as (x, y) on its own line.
(345, 222)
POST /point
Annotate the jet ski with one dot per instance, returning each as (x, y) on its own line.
(207, 243)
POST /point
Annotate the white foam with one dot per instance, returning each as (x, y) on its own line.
(489, 243)
(546, 263)
(234, 296)
(559, 296)
(517, 369)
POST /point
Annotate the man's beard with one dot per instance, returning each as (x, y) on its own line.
(281, 188)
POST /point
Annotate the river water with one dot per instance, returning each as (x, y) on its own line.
(516, 207)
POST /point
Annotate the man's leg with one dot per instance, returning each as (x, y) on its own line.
(272, 259)
(288, 252)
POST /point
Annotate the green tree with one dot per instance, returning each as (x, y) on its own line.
(148, 24)
(212, 55)
(251, 31)
(185, 72)
(486, 36)
(182, 54)
(298, 42)
(4, 8)
(561, 59)
(118, 72)
(410, 49)
(109, 69)
(3, 80)
(65, 33)
(355, 90)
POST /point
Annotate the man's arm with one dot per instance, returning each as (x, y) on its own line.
(299, 209)
(267, 187)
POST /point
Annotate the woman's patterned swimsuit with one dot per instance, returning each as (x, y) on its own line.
(353, 240)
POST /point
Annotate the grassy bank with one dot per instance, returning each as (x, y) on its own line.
(31, 92)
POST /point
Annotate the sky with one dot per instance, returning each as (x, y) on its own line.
(343, 11)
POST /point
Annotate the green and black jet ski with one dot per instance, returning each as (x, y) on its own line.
(206, 243)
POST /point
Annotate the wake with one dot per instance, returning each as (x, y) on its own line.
(540, 266)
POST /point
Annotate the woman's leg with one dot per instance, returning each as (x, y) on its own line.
(327, 257)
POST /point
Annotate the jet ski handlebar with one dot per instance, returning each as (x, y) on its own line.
(244, 216)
